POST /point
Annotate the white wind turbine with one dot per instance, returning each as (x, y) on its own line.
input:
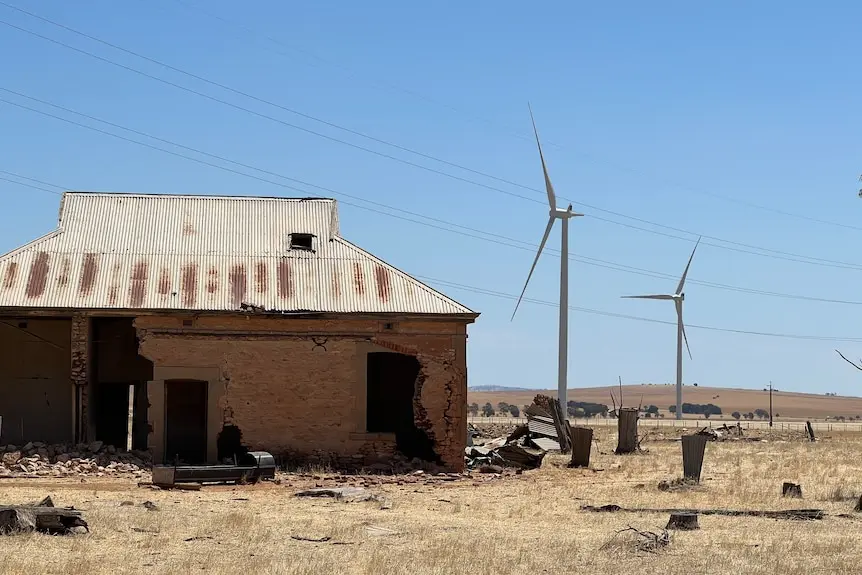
(565, 216)
(678, 297)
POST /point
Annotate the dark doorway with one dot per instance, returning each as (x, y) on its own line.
(185, 421)
(115, 366)
(391, 381)
(112, 413)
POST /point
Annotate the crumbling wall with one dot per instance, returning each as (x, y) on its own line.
(297, 387)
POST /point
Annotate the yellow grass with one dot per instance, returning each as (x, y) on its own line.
(529, 523)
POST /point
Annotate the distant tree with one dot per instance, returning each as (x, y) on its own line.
(706, 414)
(514, 411)
(473, 408)
(736, 415)
(647, 415)
(589, 409)
(779, 415)
(488, 410)
(503, 407)
(761, 413)
(695, 384)
(672, 409)
(749, 415)
(652, 409)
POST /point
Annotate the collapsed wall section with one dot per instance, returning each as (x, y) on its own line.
(299, 388)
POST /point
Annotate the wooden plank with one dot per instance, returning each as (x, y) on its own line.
(693, 449)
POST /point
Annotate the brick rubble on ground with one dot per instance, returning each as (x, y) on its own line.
(93, 459)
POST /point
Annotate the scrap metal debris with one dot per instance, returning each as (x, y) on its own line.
(525, 448)
(723, 433)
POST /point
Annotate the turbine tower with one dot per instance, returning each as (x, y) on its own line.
(565, 216)
(677, 297)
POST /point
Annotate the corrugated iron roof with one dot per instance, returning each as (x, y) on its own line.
(205, 253)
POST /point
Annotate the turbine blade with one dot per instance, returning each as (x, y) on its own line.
(684, 337)
(535, 261)
(662, 296)
(685, 273)
(549, 187)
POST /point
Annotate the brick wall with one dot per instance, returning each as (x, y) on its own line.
(298, 386)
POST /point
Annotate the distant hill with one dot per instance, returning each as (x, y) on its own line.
(503, 388)
(785, 404)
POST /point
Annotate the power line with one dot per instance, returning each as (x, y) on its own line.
(509, 296)
(468, 231)
(740, 247)
(193, 7)
(493, 293)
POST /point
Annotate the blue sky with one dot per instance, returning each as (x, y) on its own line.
(681, 114)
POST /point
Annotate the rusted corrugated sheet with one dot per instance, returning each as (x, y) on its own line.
(120, 251)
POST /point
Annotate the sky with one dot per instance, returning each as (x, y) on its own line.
(661, 122)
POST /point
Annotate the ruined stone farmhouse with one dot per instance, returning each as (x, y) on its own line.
(187, 325)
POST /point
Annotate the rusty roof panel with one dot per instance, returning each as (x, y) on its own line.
(213, 253)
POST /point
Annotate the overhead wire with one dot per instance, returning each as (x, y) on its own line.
(461, 229)
(522, 136)
(498, 294)
(509, 296)
(739, 247)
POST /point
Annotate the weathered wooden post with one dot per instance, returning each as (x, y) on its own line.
(810, 430)
(627, 427)
(693, 448)
(582, 443)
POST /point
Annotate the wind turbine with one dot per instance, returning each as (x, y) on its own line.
(565, 216)
(677, 297)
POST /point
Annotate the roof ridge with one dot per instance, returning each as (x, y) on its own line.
(153, 195)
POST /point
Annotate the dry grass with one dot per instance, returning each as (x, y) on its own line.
(531, 523)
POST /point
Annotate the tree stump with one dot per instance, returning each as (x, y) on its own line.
(693, 448)
(582, 443)
(627, 427)
(683, 522)
(791, 490)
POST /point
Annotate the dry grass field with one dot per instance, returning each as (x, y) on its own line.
(787, 405)
(527, 523)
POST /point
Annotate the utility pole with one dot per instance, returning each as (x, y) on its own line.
(770, 404)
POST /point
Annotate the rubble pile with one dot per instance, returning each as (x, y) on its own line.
(61, 460)
(527, 445)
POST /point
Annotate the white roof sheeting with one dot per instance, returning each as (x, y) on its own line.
(206, 253)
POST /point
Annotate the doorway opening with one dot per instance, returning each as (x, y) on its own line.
(185, 421)
(117, 367)
(391, 386)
